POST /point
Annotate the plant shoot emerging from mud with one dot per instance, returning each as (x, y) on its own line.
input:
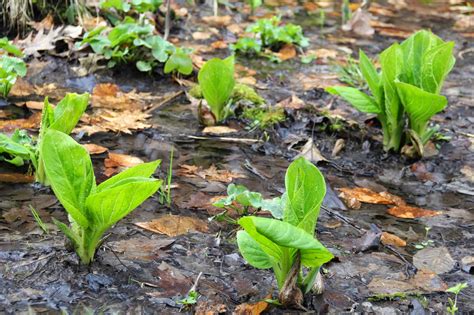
(452, 308)
(288, 245)
(216, 80)
(406, 89)
(92, 209)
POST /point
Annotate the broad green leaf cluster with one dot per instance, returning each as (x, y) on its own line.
(406, 89)
(271, 243)
(268, 33)
(216, 81)
(17, 149)
(134, 41)
(20, 148)
(92, 208)
(11, 66)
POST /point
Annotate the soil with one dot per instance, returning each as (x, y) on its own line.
(137, 271)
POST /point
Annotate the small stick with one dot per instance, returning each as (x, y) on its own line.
(163, 102)
(227, 139)
(167, 20)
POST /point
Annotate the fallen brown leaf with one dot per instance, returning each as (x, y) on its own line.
(354, 196)
(218, 21)
(219, 130)
(174, 225)
(117, 162)
(94, 148)
(390, 239)
(201, 35)
(311, 152)
(32, 122)
(103, 120)
(220, 44)
(251, 308)
(287, 52)
(292, 102)
(408, 212)
(210, 174)
(16, 178)
(108, 95)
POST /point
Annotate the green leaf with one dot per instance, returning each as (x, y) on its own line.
(419, 105)
(437, 63)
(143, 66)
(141, 170)
(216, 79)
(107, 207)
(274, 235)
(414, 48)
(75, 239)
(457, 288)
(305, 191)
(6, 45)
(371, 77)
(180, 62)
(68, 112)
(69, 170)
(252, 252)
(358, 99)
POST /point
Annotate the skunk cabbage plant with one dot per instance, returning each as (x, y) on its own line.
(92, 209)
(406, 89)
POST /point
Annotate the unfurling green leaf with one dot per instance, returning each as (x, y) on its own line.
(216, 79)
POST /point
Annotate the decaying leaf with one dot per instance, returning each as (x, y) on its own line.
(390, 239)
(174, 225)
(408, 212)
(201, 35)
(32, 122)
(354, 196)
(218, 21)
(103, 120)
(292, 102)
(437, 260)
(117, 162)
(94, 148)
(311, 152)
(42, 41)
(219, 130)
(210, 174)
(360, 23)
(287, 52)
(16, 178)
(109, 95)
(251, 308)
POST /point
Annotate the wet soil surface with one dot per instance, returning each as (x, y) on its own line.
(137, 271)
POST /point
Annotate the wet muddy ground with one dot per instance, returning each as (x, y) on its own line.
(137, 271)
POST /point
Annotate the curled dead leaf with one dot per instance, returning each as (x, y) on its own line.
(218, 21)
(390, 239)
(16, 178)
(117, 162)
(210, 174)
(354, 196)
(32, 122)
(408, 212)
(174, 225)
(287, 52)
(103, 120)
(94, 148)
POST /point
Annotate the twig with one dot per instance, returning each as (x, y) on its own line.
(167, 20)
(163, 102)
(227, 139)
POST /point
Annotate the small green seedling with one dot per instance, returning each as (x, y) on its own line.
(190, 299)
(38, 220)
(350, 74)
(406, 89)
(244, 202)
(64, 117)
(426, 242)
(268, 33)
(216, 80)
(289, 244)
(453, 308)
(92, 209)
(11, 66)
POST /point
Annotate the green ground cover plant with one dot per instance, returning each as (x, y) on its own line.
(21, 148)
(271, 34)
(133, 41)
(406, 89)
(288, 244)
(11, 66)
(92, 208)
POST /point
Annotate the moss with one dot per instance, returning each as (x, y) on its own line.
(196, 92)
(264, 117)
(244, 92)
